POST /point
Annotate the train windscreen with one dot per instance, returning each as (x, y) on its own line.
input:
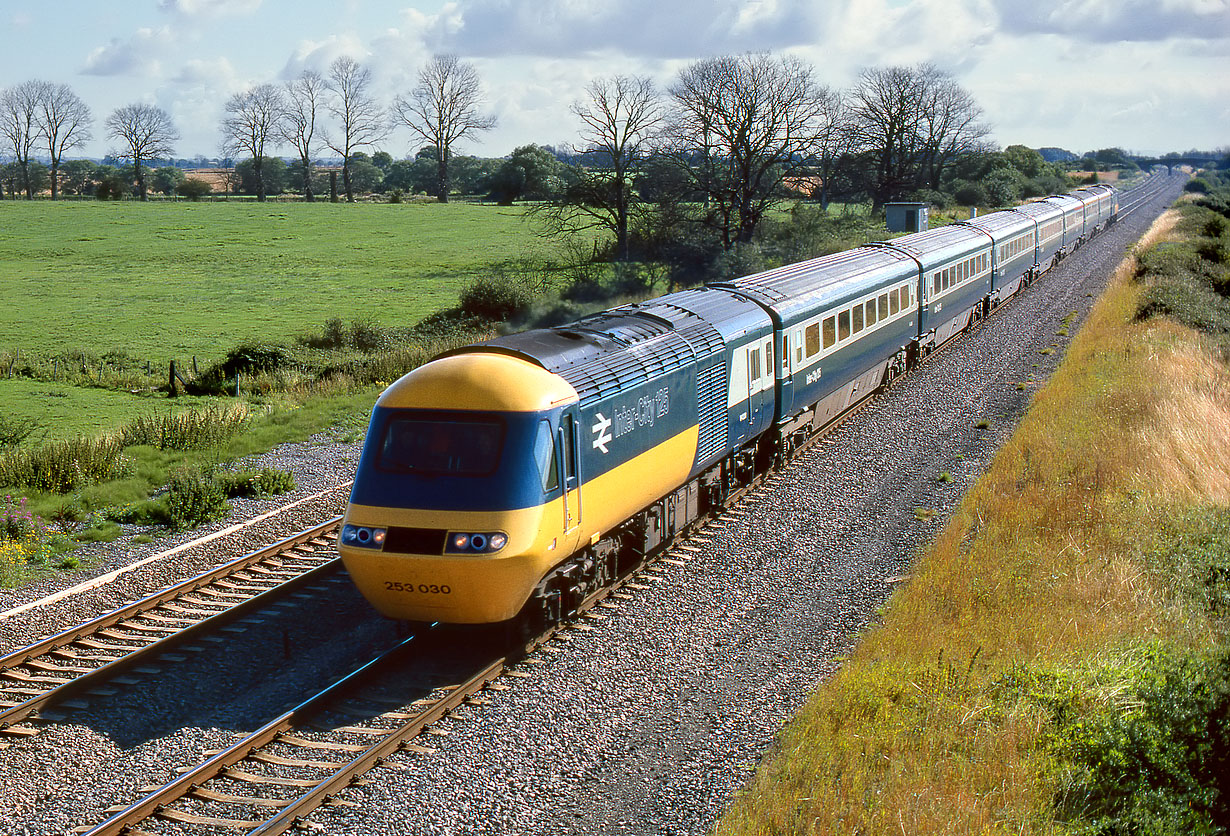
(433, 447)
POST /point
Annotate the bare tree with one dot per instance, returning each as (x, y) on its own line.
(443, 110)
(19, 125)
(619, 121)
(64, 122)
(910, 123)
(251, 124)
(741, 125)
(298, 125)
(147, 133)
(362, 120)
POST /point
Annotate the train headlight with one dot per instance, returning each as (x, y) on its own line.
(363, 536)
(465, 542)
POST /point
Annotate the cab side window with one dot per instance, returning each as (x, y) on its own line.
(544, 457)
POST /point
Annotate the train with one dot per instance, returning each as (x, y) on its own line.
(512, 478)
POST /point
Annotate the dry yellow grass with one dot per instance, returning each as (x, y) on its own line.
(1039, 565)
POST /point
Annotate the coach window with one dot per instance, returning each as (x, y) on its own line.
(843, 325)
(830, 332)
(893, 307)
(871, 312)
(883, 301)
(813, 336)
(753, 364)
(768, 360)
(858, 318)
(936, 284)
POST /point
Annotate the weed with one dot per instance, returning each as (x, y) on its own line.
(267, 482)
(14, 431)
(188, 430)
(194, 497)
(1020, 387)
(1047, 351)
(63, 466)
(924, 513)
(983, 424)
(944, 478)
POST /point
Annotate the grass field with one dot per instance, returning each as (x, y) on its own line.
(166, 280)
(163, 281)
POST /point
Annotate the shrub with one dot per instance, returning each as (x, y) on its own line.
(194, 497)
(1149, 752)
(1198, 185)
(63, 466)
(497, 297)
(266, 482)
(189, 430)
(193, 188)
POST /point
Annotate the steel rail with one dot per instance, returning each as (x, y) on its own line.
(116, 618)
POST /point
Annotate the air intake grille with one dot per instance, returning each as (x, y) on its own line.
(711, 410)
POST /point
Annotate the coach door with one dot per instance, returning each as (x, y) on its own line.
(569, 468)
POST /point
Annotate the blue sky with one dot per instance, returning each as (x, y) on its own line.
(1148, 75)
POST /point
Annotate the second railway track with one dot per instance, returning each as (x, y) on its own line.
(91, 658)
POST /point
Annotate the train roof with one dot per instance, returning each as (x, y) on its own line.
(1065, 201)
(1040, 210)
(1000, 225)
(796, 291)
(612, 350)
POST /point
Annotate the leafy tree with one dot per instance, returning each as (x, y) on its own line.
(382, 160)
(147, 133)
(272, 178)
(362, 121)
(401, 175)
(443, 109)
(167, 179)
(193, 188)
(78, 176)
(1025, 160)
(365, 177)
(252, 122)
(530, 173)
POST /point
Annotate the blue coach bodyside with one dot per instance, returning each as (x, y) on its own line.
(954, 264)
(1013, 254)
(1048, 218)
(1073, 219)
(836, 319)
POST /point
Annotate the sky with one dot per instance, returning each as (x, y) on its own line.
(1149, 76)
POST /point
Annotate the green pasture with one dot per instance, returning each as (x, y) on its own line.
(166, 280)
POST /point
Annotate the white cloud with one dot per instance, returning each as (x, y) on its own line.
(644, 28)
(210, 8)
(1118, 20)
(135, 55)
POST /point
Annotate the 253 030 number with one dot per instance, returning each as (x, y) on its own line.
(423, 588)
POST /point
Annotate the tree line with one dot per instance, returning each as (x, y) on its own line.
(723, 143)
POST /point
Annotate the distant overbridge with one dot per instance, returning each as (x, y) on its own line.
(1194, 160)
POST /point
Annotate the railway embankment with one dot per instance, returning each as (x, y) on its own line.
(1058, 661)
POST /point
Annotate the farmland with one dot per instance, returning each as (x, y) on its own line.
(163, 281)
(166, 280)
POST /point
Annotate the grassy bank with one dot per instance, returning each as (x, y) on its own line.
(1055, 663)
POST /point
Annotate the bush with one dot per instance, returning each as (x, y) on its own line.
(194, 497)
(1198, 185)
(970, 194)
(193, 188)
(190, 430)
(1145, 746)
(497, 297)
(63, 466)
(266, 482)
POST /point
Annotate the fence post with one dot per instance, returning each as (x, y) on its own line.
(171, 381)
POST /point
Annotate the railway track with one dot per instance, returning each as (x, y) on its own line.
(269, 781)
(92, 658)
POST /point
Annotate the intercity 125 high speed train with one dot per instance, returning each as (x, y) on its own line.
(515, 475)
